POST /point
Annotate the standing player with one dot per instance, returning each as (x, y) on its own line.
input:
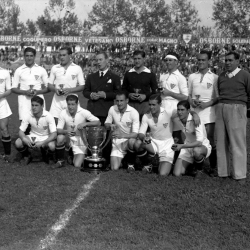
(42, 134)
(29, 80)
(65, 78)
(203, 95)
(196, 147)
(140, 82)
(5, 112)
(160, 141)
(74, 118)
(123, 120)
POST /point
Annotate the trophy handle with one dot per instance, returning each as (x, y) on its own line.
(110, 135)
(84, 137)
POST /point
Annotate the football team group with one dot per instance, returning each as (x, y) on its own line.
(187, 124)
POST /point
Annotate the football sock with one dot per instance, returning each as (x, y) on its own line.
(60, 152)
(6, 145)
(213, 158)
(131, 156)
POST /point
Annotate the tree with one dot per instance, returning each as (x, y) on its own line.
(9, 18)
(153, 17)
(232, 17)
(184, 17)
(113, 17)
(31, 27)
(59, 19)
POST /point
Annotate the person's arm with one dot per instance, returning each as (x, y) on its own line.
(178, 147)
(88, 124)
(25, 139)
(67, 91)
(7, 87)
(143, 128)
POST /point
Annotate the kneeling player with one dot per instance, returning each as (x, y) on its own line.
(196, 147)
(123, 120)
(160, 141)
(42, 134)
(75, 118)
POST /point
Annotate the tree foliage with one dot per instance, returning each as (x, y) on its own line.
(9, 18)
(31, 28)
(232, 17)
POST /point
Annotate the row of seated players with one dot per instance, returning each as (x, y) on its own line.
(128, 135)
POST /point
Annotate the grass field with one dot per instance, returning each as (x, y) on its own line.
(41, 208)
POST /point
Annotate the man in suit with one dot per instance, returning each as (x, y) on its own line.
(100, 89)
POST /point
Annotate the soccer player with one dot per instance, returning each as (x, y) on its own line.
(5, 112)
(160, 140)
(74, 118)
(231, 120)
(43, 131)
(140, 82)
(29, 80)
(65, 78)
(123, 120)
(203, 95)
(174, 90)
(196, 147)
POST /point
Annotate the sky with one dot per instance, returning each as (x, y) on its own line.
(31, 9)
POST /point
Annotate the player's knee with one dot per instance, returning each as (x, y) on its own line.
(131, 143)
(60, 139)
(197, 153)
(52, 146)
(137, 145)
(18, 143)
(4, 131)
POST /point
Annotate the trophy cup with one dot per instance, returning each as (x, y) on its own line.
(61, 92)
(73, 138)
(137, 91)
(31, 89)
(197, 100)
(160, 86)
(95, 140)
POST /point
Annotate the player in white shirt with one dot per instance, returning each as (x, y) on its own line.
(43, 131)
(196, 147)
(65, 78)
(123, 120)
(5, 112)
(29, 80)
(73, 119)
(203, 95)
(160, 139)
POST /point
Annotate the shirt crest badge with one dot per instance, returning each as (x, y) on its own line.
(1, 81)
(129, 124)
(73, 77)
(172, 85)
(36, 77)
(165, 125)
(45, 127)
(209, 85)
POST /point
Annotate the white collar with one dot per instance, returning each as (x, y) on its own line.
(25, 66)
(145, 69)
(176, 72)
(44, 114)
(235, 72)
(209, 71)
(104, 71)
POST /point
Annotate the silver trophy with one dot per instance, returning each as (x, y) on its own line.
(137, 91)
(31, 88)
(95, 140)
(61, 86)
(33, 138)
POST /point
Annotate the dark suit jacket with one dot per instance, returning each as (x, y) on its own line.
(110, 84)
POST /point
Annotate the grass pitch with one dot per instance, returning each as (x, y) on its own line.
(122, 211)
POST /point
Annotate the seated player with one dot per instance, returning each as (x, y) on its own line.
(42, 134)
(160, 140)
(75, 118)
(196, 147)
(123, 120)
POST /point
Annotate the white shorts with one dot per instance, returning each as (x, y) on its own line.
(206, 115)
(5, 110)
(171, 106)
(37, 137)
(119, 147)
(24, 105)
(163, 148)
(58, 105)
(78, 146)
(187, 154)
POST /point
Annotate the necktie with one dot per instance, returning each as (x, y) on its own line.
(101, 76)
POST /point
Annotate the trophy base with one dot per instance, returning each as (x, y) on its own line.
(94, 165)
